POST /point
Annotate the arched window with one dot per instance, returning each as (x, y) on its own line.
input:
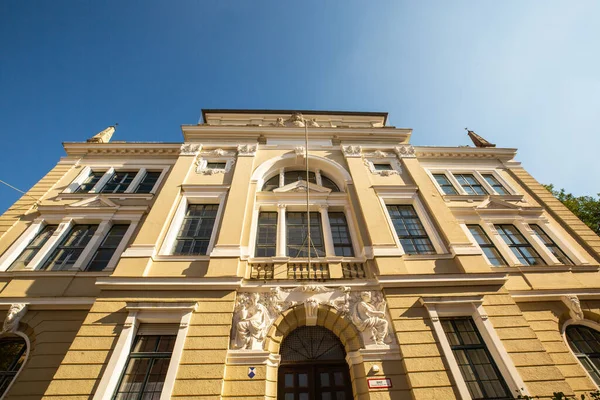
(313, 366)
(291, 176)
(13, 350)
(585, 343)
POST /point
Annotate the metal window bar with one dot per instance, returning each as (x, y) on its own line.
(477, 366)
(148, 181)
(410, 230)
(445, 184)
(487, 246)
(33, 248)
(107, 248)
(118, 182)
(470, 184)
(68, 251)
(520, 247)
(585, 343)
(146, 368)
(495, 184)
(89, 182)
(353, 270)
(262, 271)
(551, 245)
(312, 271)
(196, 229)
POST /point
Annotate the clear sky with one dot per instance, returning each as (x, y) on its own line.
(522, 74)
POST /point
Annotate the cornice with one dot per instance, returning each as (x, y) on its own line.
(503, 154)
(160, 283)
(553, 294)
(120, 148)
(437, 280)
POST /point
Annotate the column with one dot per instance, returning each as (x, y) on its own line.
(328, 239)
(281, 231)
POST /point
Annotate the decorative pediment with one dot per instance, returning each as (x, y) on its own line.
(301, 186)
(95, 202)
(497, 204)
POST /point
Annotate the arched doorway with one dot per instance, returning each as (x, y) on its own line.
(313, 366)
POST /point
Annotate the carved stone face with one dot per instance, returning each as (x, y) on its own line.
(366, 296)
(296, 117)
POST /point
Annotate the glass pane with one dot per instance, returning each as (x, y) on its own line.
(289, 396)
(324, 377)
(340, 395)
(338, 378)
(303, 396)
(326, 396)
(289, 380)
(303, 380)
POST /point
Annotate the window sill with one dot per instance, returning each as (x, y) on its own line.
(165, 257)
(428, 256)
(479, 197)
(54, 273)
(283, 260)
(119, 196)
(547, 268)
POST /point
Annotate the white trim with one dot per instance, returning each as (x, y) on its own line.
(83, 175)
(477, 174)
(94, 243)
(561, 242)
(15, 250)
(64, 228)
(471, 306)
(110, 168)
(146, 313)
(50, 303)
(118, 283)
(475, 279)
(136, 180)
(102, 181)
(27, 352)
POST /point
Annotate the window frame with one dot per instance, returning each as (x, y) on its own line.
(412, 238)
(550, 245)
(478, 175)
(27, 354)
(193, 195)
(472, 306)
(589, 324)
(146, 313)
(492, 244)
(107, 172)
(528, 244)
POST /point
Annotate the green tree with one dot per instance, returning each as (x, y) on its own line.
(586, 208)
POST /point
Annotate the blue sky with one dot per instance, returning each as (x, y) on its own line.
(522, 74)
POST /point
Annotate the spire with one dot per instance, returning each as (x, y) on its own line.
(103, 136)
(478, 141)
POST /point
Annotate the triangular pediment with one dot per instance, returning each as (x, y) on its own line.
(301, 186)
(94, 202)
(497, 204)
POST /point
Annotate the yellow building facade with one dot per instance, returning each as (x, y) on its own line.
(138, 270)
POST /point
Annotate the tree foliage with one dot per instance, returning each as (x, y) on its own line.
(586, 208)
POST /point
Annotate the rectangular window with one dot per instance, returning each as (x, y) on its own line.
(552, 247)
(33, 248)
(196, 230)
(89, 182)
(108, 247)
(474, 360)
(520, 247)
(340, 234)
(470, 184)
(216, 165)
(382, 167)
(410, 230)
(297, 235)
(486, 245)
(66, 254)
(495, 184)
(444, 182)
(147, 183)
(266, 235)
(146, 368)
(119, 182)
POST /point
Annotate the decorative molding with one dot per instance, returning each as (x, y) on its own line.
(396, 168)
(484, 279)
(255, 312)
(574, 306)
(184, 283)
(13, 317)
(190, 149)
(247, 150)
(216, 155)
(459, 249)
(352, 151)
(405, 151)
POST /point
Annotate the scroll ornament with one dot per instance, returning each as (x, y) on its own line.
(13, 317)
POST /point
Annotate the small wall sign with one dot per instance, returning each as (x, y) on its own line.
(379, 383)
(251, 372)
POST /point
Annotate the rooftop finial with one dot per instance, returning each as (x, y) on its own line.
(103, 136)
(478, 141)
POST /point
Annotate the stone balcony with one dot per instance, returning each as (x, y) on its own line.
(302, 270)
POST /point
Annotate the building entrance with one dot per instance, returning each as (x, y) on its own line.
(313, 366)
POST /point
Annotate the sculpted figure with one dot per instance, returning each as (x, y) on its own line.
(14, 315)
(252, 324)
(366, 315)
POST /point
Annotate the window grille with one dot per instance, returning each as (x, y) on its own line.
(196, 229)
(470, 184)
(410, 230)
(311, 343)
(340, 235)
(445, 184)
(266, 235)
(520, 247)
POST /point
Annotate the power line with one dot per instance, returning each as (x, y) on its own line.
(19, 190)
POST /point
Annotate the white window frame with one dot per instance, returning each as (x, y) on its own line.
(150, 313)
(108, 172)
(472, 306)
(478, 174)
(584, 322)
(196, 195)
(410, 197)
(64, 227)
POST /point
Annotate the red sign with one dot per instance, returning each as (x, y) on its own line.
(379, 383)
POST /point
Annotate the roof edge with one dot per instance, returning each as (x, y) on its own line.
(307, 112)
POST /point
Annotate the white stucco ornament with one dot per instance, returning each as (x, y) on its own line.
(13, 317)
(190, 149)
(405, 151)
(255, 312)
(572, 302)
(247, 149)
(352, 151)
